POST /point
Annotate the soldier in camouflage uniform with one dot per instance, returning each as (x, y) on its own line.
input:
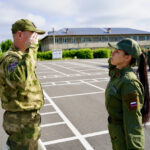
(127, 99)
(20, 91)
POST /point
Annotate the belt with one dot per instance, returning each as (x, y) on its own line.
(114, 121)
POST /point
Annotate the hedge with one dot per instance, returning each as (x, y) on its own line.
(44, 55)
(69, 53)
(102, 53)
(84, 54)
(81, 54)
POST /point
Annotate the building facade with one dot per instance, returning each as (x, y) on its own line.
(76, 38)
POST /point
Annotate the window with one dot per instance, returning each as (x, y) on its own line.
(89, 39)
(142, 38)
(105, 39)
(148, 37)
(56, 40)
(73, 40)
(51, 40)
(82, 39)
(135, 38)
(99, 38)
(64, 40)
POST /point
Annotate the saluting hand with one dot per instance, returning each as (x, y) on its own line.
(33, 39)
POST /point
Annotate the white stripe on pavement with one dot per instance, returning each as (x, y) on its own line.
(70, 125)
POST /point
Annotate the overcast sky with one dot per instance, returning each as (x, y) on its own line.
(47, 14)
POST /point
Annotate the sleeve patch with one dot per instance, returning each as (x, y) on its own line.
(131, 101)
(12, 66)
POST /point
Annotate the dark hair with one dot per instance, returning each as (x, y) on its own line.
(133, 60)
(142, 73)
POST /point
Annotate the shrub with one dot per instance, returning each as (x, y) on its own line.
(102, 53)
(85, 54)
(1, 54)
(5, 45)
(44, 55)
(69, 53)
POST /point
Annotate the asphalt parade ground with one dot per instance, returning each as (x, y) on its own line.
(74, 115)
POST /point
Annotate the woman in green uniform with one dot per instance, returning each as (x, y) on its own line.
(127, 97)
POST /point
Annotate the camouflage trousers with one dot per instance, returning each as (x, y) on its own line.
(23, 129)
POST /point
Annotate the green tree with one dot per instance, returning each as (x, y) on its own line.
(39, 42)
(5, 45)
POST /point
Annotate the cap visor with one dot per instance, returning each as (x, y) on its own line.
(112, 46)
(40, 31)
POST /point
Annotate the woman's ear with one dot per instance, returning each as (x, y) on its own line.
(128, 58)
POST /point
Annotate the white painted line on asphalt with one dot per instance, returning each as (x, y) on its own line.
(78, 94)
(52, 124)
(47, 104)
(41, 145)
(60, 141)
(45, 72)
(148, 124)
(62, 84)
(48, 113)
(70, 125)
(74, 70)
(70, 75)
(93, 85)
(75, 138)
(96, 62)
(53, 69)
(76, 81)
(83, 65)
(96, 133)
(90, 66)
(90, 69)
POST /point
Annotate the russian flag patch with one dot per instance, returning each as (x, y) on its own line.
(133, 104)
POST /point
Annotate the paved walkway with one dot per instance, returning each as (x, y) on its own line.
(74, 115)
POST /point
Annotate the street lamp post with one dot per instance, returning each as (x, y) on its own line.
(53, 39)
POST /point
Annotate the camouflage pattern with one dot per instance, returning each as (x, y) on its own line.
(23, 129)
(124, 99)
(25, 25)
(22, 97)
(20, 89)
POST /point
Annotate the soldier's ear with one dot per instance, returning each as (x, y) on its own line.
(128, 58)
(19, 34)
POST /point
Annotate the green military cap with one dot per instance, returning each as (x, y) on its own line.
(25, 25)
(130, 46)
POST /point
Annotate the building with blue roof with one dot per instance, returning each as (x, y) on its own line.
(76, 38)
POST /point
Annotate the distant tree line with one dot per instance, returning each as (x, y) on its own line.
(5, 45)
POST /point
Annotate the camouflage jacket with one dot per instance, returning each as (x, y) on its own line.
(20, 89)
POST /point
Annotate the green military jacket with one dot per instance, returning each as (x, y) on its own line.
(124, 100)
(20, 89)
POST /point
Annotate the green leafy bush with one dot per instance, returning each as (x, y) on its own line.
(85, 54)
(69, 53)
(102, 53)
(1, 54)
(44, 55)
(81, 54)
(5, 45)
